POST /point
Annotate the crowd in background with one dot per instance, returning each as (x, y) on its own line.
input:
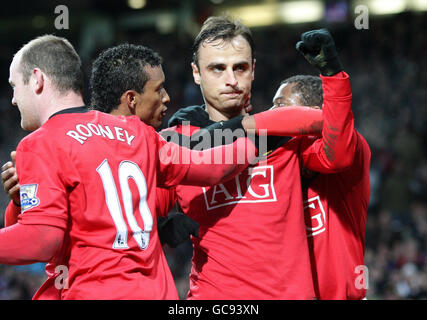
(389, 82)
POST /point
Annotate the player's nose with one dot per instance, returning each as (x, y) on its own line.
(231, 79)
(165, 98)
(14, 103)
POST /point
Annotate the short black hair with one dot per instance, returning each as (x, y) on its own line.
(310, 88)
(221, 27)
(117, 70)
(56, 57)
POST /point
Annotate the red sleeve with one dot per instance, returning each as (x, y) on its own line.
(165, 201)
(11, 214)
(171, 168)
(26, 244)
(43, 189)
(290, 121)
(180, 165)
(335, 151)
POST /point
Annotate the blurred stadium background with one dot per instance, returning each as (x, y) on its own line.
(388, 72)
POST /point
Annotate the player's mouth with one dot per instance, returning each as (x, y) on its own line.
(232, 94)
(163, 113)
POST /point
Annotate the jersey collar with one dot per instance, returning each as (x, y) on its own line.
(82, 109)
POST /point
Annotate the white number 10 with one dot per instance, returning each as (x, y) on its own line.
(127, 170)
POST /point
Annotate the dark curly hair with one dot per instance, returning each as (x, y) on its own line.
(310, 88)
(117, 70)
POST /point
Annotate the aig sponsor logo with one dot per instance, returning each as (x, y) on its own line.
(252, 185)
(315, 219)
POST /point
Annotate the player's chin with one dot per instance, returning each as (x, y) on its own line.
(233, 105)
(157, 122)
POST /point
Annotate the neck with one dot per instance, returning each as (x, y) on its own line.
(61, 102)
(122, 110)
(216, 115)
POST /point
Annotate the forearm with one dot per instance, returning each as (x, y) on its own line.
(288, 121)
(338, 132)
(26, 244)
(335, 151)
(219, 164)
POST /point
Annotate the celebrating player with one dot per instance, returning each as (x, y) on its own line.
(87, 183)
(335, 206)
(139, 90)
(252, 240)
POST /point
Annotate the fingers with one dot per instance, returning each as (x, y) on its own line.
(248, 108)
(309, 46)
(9, 179)
(13, 156)
(312, 41)
(14, 193)
(301, 47)
(7, 170)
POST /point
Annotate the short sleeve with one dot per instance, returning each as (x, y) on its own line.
(43, 193)
(173, 162)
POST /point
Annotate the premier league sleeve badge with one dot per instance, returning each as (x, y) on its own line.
(28, 194)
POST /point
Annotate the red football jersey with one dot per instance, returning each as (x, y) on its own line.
(94, 175)
(165, 201)
(335, 207)
(336, 204)
(253, 242)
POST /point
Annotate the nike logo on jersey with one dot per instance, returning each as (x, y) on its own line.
(85, 131)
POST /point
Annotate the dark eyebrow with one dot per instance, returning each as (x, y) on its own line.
(220, 64)
(215, 64)
(11, 83)
(242, 63)
(161, 84)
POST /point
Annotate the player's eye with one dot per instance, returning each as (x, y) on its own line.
(279, 104)
(241, 67)
(217, 69)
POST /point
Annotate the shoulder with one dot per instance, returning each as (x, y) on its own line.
(194, 113)
(36, 139)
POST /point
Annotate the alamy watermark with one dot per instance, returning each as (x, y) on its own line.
(362, 279)
(362, 19)
(61, 280)
(231, 147)
(62, 21)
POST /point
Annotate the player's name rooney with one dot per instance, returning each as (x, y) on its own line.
(85, 131)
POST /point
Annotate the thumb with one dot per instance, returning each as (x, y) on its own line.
(13, 156)
(300, 46)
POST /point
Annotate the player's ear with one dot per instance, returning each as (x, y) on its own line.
(37, 80)
(129, 99)
(196, 73)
